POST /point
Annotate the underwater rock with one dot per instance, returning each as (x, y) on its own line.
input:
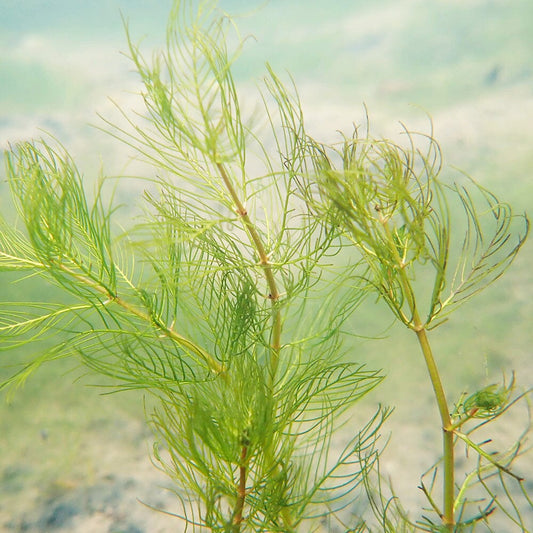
(58, 517)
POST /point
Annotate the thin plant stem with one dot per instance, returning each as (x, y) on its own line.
(241, 491)
(213, 365)
(448, 433)
(487, 456)
(264, 262)
(275, 341)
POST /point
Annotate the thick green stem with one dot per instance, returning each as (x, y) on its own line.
(418, 327)
(448, 433)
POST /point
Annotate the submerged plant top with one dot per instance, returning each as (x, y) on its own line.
(216, 303)
(227, 301)
(389, 201)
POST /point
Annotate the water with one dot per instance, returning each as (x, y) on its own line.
(467, 63)
(62, 56)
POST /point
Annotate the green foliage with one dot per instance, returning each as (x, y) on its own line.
(216, 304)
(391, 206)
(488, 401)
(226, 302)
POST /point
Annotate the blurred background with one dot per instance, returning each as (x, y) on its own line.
(74, 460)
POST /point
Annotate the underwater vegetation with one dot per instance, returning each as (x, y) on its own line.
(227, 302)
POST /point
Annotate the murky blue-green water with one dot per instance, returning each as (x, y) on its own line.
(466, 63)
(62, 57)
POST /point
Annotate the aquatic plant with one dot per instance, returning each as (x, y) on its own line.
(226, 303)
(216, 304)
(396, 214)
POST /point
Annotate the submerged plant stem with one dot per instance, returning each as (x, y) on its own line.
(418, 327)
(448, 433)
(241, 491)
(264, 262)
(275, 338)
(212, 364)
